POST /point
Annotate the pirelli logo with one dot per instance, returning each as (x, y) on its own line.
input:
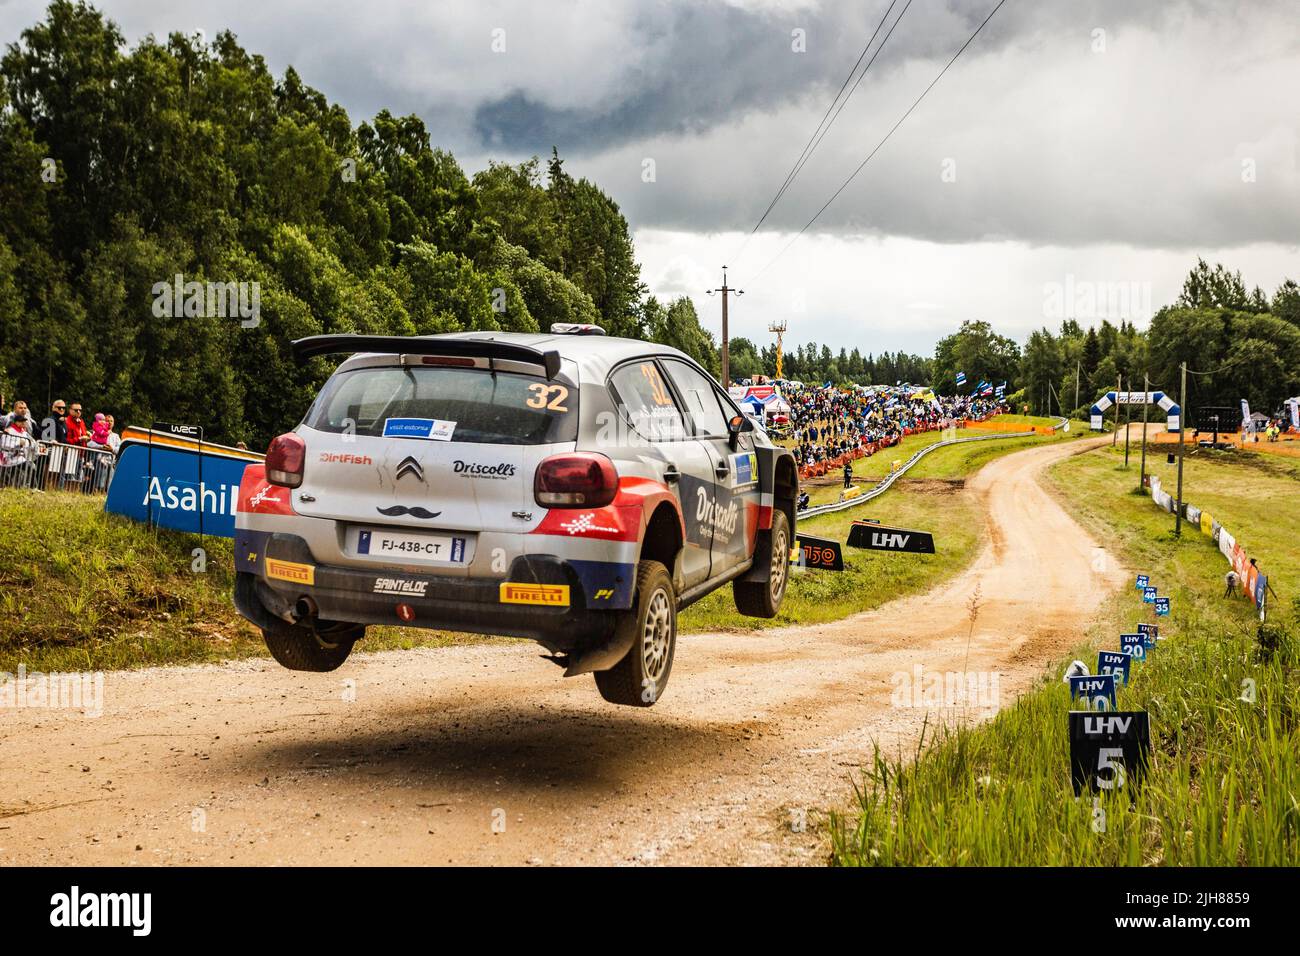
(289, 571)
(548, 595)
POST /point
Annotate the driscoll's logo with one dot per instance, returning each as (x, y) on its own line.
(476, 469)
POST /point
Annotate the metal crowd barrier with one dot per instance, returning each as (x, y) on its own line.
(26, 462)
(884, 484)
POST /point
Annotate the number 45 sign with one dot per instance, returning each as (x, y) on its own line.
(1108, 751)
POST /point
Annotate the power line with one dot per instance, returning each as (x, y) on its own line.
(809, 147)
(882, 142)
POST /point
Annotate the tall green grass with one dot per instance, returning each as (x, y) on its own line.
(1223, 786)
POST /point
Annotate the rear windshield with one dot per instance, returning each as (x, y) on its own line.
(447, 404)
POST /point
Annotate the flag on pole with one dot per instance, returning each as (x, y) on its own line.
(961, 378)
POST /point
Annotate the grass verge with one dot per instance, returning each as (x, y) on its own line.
(1223, 787)
(84, 590)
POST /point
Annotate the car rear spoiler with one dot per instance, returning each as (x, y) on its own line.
(315, 345)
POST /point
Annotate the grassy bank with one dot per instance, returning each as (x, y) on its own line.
(1224, 782)
(85, 590)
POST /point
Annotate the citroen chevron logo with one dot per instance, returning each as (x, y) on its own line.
(409, 466)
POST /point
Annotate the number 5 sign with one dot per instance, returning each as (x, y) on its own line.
(1108, 751)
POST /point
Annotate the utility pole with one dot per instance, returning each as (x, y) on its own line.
(726, 354)
(1146, 394)
(1078, 367)
(1128, 414)
(1182, 413)
(1119, 382)
(779, 328)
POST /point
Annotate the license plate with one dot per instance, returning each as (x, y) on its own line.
(444, 548)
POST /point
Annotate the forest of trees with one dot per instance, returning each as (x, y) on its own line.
(122, 168)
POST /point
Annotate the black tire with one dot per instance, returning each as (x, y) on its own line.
(763, 598)
(639, 679)
(320, 648)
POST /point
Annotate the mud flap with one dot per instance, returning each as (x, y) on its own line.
(602, 656)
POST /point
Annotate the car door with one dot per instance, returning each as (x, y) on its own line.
(729, 500)
(683, 463)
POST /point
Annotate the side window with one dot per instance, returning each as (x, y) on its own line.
(647, 401)
(700, 397)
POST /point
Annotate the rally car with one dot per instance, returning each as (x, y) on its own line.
(571, 488)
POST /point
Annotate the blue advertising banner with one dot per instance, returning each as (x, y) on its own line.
(1148, 595)
(1143, 581)
(1096, 691)
(1114, 663)
(166, 479)
(1162, 607)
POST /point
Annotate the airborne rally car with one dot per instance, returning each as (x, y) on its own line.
(567, 487)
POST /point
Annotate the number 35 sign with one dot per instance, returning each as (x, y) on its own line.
(1108, 751)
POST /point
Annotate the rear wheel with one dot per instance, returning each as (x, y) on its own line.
(763, 598)
(639, 679)
(321, 647)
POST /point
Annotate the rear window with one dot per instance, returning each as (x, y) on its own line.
(452, 404)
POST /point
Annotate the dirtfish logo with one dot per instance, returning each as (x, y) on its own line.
(186, 497)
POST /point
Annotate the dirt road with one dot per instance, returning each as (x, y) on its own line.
(484, 754)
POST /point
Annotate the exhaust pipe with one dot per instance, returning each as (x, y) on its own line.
(304, 610)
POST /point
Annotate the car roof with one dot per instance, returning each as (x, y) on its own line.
(594, 355)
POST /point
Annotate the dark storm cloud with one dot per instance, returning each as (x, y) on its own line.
(1179, 131)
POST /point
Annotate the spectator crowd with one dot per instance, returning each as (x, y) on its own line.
(827, 424)
(60, 449)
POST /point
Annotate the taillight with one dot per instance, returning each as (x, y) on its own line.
(284, 460)
(578, 480)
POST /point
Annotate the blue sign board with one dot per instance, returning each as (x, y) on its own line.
(1148, 595)
(1134, 645)
(1162, 607)
(1143, 581)
(1097, 691)
(178, 487)
(1114, 663)
(1152, 632)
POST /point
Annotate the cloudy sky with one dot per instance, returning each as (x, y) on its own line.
(1079, 151)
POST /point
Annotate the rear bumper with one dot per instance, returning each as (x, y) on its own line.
(562, 604)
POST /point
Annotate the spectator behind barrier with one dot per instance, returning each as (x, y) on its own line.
(20, 407)
(76, 427)
(56, 426)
